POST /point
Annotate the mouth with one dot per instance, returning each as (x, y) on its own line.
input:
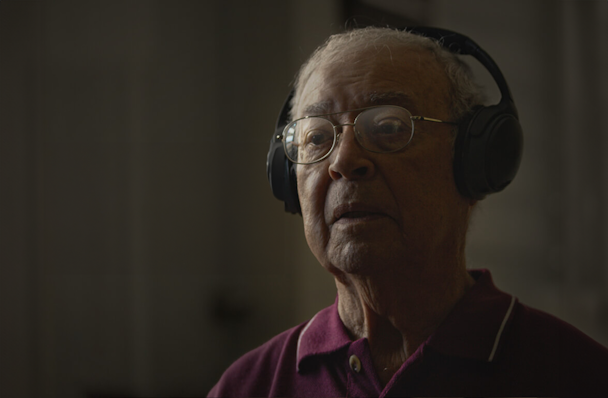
(356, 213)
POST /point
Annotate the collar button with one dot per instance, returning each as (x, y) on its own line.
(355, 363)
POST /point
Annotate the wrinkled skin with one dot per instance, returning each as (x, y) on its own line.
(413, 189)
(390, 227)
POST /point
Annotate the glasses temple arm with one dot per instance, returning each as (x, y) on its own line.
(430, 119)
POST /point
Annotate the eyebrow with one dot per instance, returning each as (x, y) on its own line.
(318, 109)
(389, 98)
(373, 98)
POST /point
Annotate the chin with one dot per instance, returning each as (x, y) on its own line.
(361, 258)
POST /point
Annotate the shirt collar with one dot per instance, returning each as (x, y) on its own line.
(323, 334)
(475, 326)
(473, 329)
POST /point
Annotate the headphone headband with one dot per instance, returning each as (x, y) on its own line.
(463, 45)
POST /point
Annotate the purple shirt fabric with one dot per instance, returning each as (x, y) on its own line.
(488, 345)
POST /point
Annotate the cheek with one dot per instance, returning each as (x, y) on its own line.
(312, 190)
(424, 187)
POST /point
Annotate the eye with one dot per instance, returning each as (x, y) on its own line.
(318, 137)
(389, 126)
(384, 129)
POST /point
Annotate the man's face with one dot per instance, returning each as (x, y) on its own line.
(362, 210)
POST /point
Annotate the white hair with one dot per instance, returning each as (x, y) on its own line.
(464, 93)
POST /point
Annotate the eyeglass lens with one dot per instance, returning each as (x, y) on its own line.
(379, 129)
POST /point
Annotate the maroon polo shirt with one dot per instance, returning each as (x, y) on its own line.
(488, 345)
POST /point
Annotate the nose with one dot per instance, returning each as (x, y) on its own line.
(349, 159)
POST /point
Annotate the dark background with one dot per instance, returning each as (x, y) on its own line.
(141, 250)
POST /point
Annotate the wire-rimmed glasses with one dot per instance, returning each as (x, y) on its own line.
(380, 129)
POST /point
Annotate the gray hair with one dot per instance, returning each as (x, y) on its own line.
(464, 94)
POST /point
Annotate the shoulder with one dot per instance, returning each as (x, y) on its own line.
(548, 332)
(551, 349)
(253, 374)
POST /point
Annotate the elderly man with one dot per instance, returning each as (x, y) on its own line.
(375, 115)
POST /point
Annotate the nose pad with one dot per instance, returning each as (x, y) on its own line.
(341, 133)
(350, 162)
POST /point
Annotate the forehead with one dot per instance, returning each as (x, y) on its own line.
(409, 77)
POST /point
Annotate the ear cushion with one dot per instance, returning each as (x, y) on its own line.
(282, 174)
(274, 166)
(488, 151)
(292, 201)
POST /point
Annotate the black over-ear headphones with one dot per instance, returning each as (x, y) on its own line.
(487, 150)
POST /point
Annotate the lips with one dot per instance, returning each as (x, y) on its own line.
(356, 214)
(356, 211)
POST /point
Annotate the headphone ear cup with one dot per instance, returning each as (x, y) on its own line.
(292, 199)
(488, 151)
(275, 166)
(282, 175)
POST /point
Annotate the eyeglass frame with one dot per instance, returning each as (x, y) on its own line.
(360, 110)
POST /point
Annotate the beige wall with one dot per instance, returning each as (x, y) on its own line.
(142, 250)
(545, 237)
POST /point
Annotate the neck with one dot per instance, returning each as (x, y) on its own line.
(399, 309)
